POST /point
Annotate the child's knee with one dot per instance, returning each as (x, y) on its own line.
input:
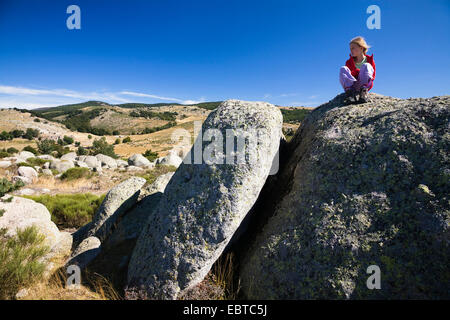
(367, 66)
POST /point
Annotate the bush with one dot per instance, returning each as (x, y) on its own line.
(6, 186)
(12, 150)
(77, 143)
(76, 173)
(115, 132)
(82, 151)
(127, 139)
(17, 133)
(70, 210)
(117, 141)
(101, 146)
(31, 133)
(4, 154)
(37, 120)
(150, 155)
(5, 136)
(89, 136)
(21, 260)
(47, 146)
(30, 149)
(68, 140)
(36, 161)
(24, 164)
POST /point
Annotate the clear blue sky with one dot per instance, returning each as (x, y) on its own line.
(283, 52)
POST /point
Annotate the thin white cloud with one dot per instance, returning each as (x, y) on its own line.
(11, 96)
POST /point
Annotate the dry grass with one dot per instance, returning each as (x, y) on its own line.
(93, 287)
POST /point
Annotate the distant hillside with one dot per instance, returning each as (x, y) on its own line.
(102, 118)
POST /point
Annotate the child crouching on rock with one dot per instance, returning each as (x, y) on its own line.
(358, 74)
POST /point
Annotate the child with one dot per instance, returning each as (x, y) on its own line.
(359, 71)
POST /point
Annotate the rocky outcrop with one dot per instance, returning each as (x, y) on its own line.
(203, 204)
(364, 185)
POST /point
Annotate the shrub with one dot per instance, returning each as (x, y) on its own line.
(37, 120)
(46, 146)
(70, 210)
(4, 154)
(24, 164)
(31, 133)
(7, 186)
(117, 141)
(101, 146)
(77, 143)
(68, 140)
(21, 260)
(89, 136)
(150, 155)
(30, 149)
(17, 133)
(5, 136)
(76, 173)
(12, 150)
(115, 132)
(37, 161)
(82, 151)
(127, 139)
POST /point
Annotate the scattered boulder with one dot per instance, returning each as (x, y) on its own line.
(91, 161)
(202, 206)
(25, 180)
(72, 156)
(62, 165)
(5, 164)
(171, 160)
(21, 213)
(81, 164)
(46, 157)
(25, 155)
(88, 249)
(121, 163)
(138, 160)
(106, 160)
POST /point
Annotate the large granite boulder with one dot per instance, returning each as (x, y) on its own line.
(364, 185)
(87, 250)
(205, 202)
(21, 213)
(117, 201)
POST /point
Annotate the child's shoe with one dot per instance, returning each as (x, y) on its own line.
(363, 95)
(350, 95)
